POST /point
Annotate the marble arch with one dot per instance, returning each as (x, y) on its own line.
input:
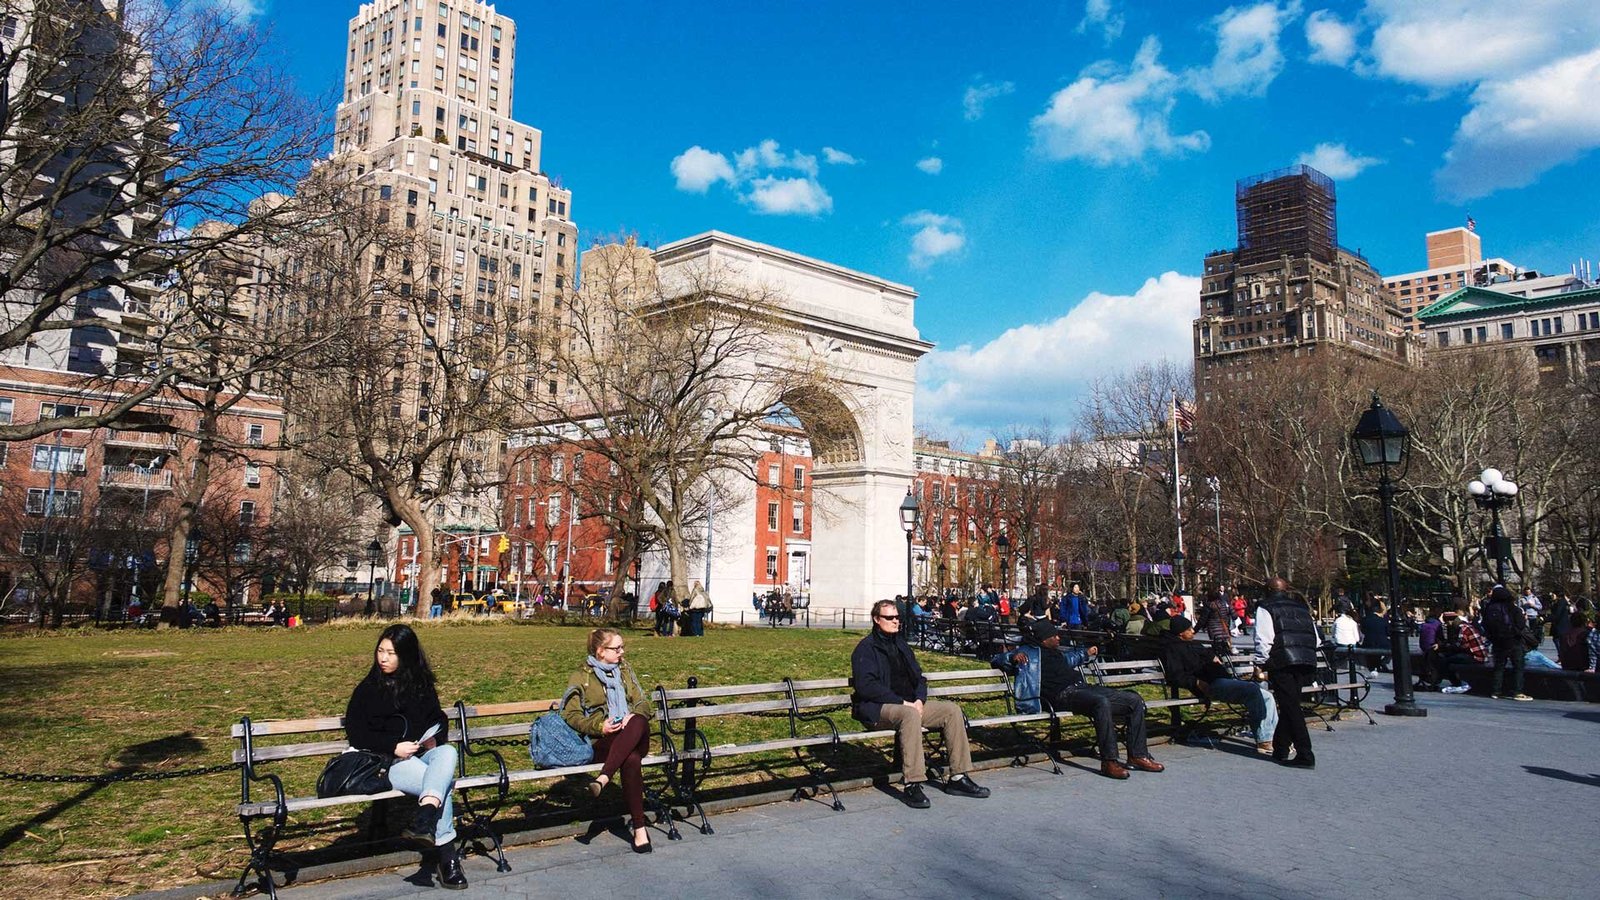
(861, 329)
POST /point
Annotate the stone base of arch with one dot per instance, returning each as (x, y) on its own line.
(861, 555)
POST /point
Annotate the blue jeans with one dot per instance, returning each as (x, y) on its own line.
(1537, 660)
(1256, 700)
(431, 773)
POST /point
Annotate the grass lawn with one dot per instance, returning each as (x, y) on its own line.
(92, 701)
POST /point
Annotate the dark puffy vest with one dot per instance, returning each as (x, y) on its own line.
(1295, 635)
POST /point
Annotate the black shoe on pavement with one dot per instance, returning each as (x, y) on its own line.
(1302, 761)
(965, 786)
(450, 875)
(914, 797)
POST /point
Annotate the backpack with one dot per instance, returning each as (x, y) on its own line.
(553, 744)
(1005, 606)
(1497, 621)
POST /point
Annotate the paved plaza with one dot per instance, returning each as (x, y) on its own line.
(1482, 799)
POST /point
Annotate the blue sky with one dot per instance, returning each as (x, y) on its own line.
(1049, 177)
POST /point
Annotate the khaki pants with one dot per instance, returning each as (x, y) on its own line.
(939, 715)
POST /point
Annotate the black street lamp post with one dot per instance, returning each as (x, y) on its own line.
(909, 512)
(1380, 440)
(1003, 545)
(1494, 492)
(374, 556)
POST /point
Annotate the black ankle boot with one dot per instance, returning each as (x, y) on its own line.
(423, 825)
(450, 874)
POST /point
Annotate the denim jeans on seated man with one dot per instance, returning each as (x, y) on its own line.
(1256, 700)
(1537, 660)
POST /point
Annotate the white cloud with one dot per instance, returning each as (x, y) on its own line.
(1519, 128)
(1248, 57)
(936, 236)
(1043, 371)
(1332, 41)
(242, 9)
(753, 174)
(1109, 117)
(767, 155)
(1097, 15)
(697, 169)
(1531, 70)
(932, 165)
(1336, 161)
(788, 196)
(978, 95)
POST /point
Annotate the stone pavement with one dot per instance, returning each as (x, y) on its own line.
(1482, 799)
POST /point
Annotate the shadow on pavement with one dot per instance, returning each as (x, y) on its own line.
(1583, 716)
(1591, 780)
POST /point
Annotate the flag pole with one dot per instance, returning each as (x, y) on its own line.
(1177, 491)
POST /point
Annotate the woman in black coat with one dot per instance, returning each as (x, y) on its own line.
(395, 711)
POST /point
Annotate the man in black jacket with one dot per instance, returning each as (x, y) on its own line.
(890, 692)
(1286, 646)
(1506, 626)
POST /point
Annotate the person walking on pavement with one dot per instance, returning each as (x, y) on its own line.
(1507, 629)
(1286, 642)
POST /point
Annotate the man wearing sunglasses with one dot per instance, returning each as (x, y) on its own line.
(890, 692)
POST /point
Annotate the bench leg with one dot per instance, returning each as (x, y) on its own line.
(819, 778)
(664, 816)
(480, 828)
(260, 844)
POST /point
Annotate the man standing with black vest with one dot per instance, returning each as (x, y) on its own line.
(1286, 646)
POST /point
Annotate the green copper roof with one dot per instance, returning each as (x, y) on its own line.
(1473, 302)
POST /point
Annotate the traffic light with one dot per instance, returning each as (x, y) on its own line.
(505, 543)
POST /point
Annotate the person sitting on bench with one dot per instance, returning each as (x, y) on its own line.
(1194, 666)
(888, 691)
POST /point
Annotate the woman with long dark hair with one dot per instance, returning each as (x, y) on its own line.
(395, 710)
(609, 706)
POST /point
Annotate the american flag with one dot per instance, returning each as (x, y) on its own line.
(1184, 414)
(1472, 225)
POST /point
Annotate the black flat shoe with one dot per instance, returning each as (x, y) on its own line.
(644, 847)
(595, 787)
(450, 875)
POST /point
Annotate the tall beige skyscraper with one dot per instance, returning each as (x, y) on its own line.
(427, 113)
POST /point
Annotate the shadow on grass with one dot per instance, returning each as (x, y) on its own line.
(130, 761)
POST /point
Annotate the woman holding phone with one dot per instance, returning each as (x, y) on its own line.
(606, 703)
(395, 710)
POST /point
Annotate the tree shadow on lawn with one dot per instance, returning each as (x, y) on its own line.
(130, 761)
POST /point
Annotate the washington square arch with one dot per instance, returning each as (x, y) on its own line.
(860, 331)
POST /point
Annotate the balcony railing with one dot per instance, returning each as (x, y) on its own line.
(141, 438)
(134, 477)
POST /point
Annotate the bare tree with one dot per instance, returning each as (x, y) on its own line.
(118, 128)
(1032, 477)
(60, 531)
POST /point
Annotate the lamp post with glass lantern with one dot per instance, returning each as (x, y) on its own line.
(1380, 440)
(1494, 492)
(374, 556)
(910, 511)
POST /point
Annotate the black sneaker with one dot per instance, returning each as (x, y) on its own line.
(1301, 761)
(423, 825)
(965, 786)
(914, 797)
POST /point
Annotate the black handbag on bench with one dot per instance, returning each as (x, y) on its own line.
(354, 772)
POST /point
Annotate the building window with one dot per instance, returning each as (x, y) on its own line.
(552, 509)
(255, 435)
(610, 561)
(1483, 333)
(1506, 331)
(247, 512)
(252, 475)
(799, 518)
(1444, 339)
(772, 475)
(772, 516)
(7, 405)
(47, 458)
(44, 502)
(550, 556)
(799, 478)
(558, 467)
(772, 564)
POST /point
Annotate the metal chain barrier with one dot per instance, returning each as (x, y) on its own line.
(114, 777)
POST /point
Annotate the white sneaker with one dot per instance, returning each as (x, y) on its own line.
(1455, 689)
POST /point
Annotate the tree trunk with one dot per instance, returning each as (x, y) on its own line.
(183, 521)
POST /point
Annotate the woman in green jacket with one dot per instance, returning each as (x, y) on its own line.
(609, 706)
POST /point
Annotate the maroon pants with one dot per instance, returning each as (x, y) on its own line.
(623, 750)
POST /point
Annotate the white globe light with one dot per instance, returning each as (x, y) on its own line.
(1490, 476)
(1506, 488)
(1477, 488)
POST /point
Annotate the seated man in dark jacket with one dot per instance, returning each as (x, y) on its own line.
(890, 692)
(1195, 667)
(1062, 687)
